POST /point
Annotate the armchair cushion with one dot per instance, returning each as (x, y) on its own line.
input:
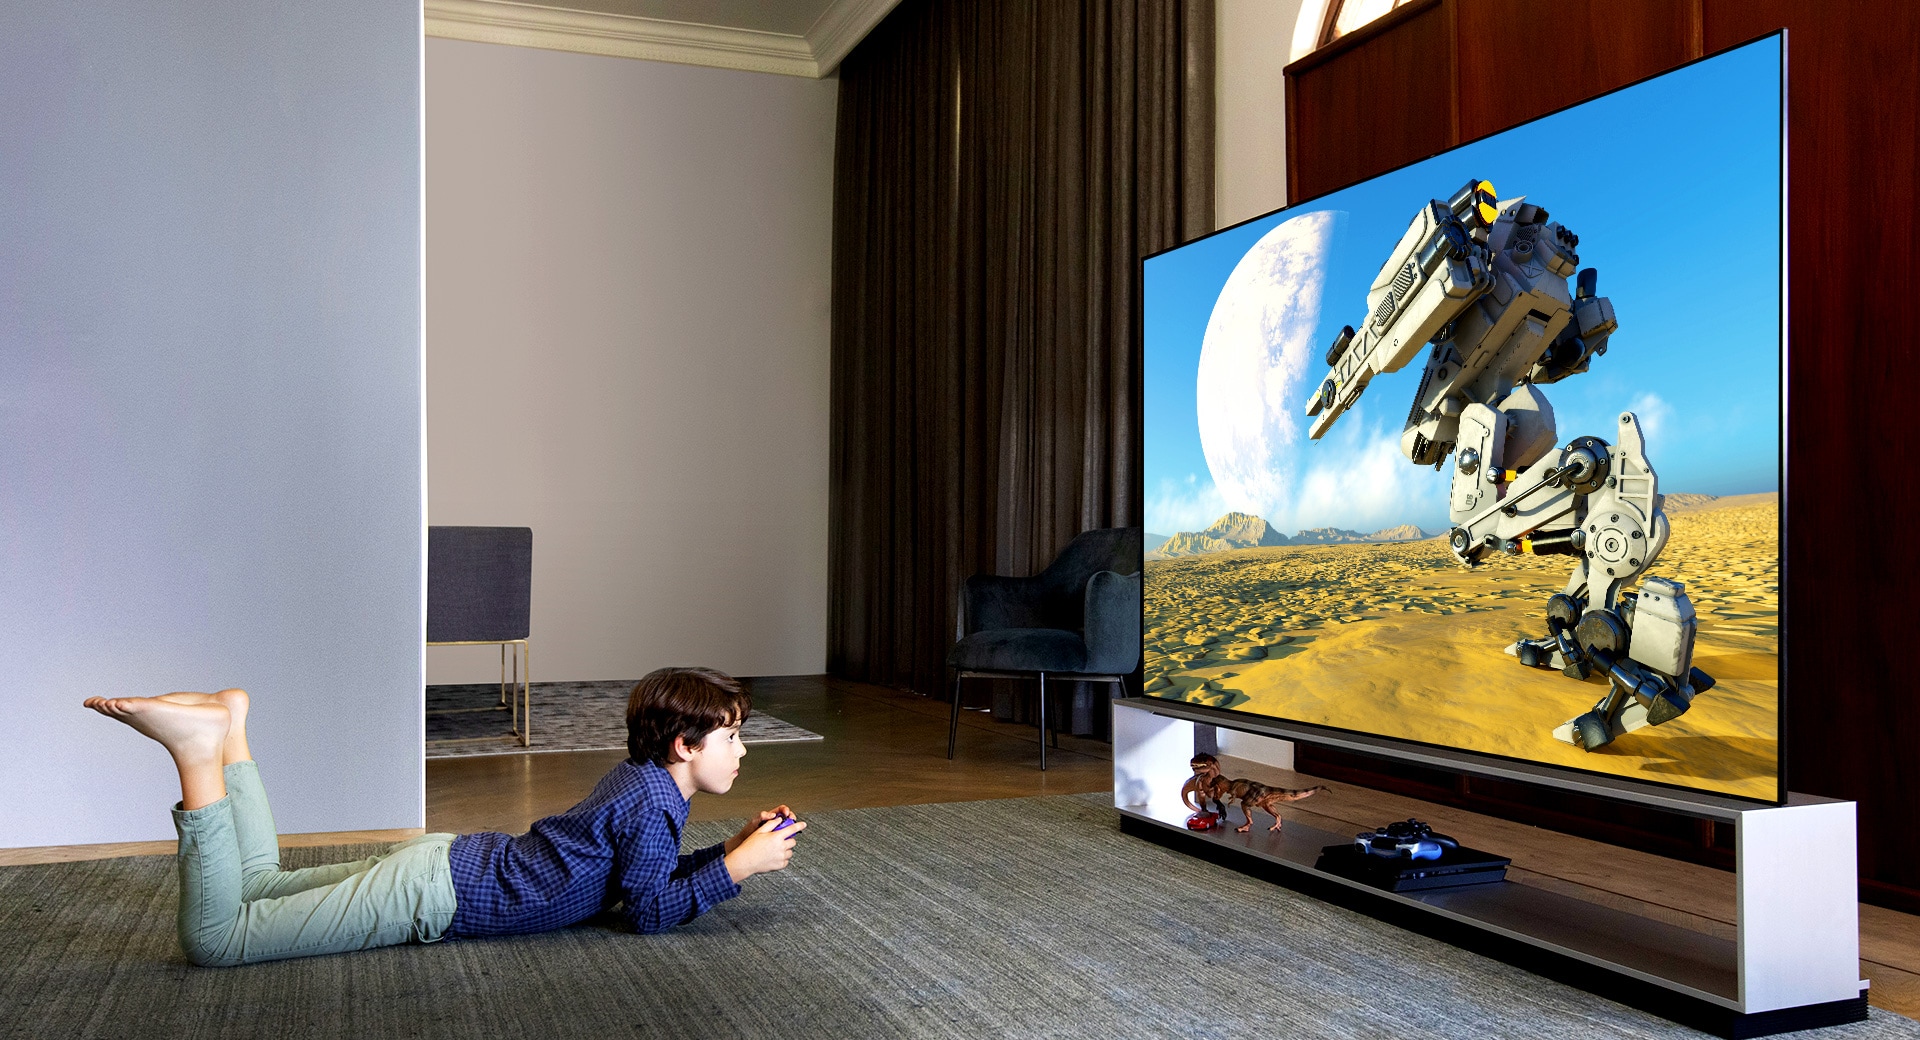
(1020, 650)
(994, 601)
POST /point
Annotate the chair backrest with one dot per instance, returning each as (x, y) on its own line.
(479, 583)
(1113, 630)
(1065, 579)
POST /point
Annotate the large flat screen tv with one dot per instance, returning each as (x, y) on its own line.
(1485, 453)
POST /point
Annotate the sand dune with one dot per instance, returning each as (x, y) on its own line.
(1399, 639)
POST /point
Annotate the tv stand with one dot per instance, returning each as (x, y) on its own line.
(1794, 964)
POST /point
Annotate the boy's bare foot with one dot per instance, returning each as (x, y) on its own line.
(235, 700)
(192, 733)
(236, 704)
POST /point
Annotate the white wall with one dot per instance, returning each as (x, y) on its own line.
(627, 297)
(1254, 40)
(210, 420)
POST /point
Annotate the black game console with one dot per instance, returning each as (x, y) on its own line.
(1404, 857)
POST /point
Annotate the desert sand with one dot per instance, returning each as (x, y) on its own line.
(1400, 640)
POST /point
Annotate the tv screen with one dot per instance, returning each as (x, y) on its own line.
(1485, 452)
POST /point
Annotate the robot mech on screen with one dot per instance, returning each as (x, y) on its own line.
(1485, 283)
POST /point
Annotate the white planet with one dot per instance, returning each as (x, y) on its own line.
(1254, 358)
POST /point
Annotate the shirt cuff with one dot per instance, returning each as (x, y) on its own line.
(710, 877)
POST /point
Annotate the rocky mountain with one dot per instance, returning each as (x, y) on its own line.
(1245, 531)
(1326, 536)
(1686, 501)
(1340, 535)
(1233, 531)
(1153, 541)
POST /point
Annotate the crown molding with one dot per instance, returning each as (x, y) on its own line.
(831, 37)
(841, 27)
(619, 36)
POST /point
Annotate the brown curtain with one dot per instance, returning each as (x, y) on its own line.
(1001, 167)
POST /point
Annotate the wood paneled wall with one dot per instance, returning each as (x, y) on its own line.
(1442, 72)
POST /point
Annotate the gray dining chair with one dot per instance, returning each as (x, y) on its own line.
(480, 592)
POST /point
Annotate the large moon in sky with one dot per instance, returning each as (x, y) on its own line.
(1253, 361)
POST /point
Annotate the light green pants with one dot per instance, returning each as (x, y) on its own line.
(238, 907)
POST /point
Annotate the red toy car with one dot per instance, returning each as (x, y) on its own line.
(1203, 821)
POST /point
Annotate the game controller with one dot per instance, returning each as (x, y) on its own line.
(1408, 839)
(785, 822)
(1203, 821)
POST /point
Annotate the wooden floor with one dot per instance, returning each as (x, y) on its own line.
(884, 747)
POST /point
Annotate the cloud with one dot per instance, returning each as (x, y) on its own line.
(1354, 478)
(1192, 504)
(1357, 478)
(1656, 417)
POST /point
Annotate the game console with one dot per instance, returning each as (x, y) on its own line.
(1409, 855)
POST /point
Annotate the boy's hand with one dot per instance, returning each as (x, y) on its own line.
(762, 849)
(753, 825)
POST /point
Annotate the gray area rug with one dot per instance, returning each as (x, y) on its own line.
(1023, 918)
(468, 719)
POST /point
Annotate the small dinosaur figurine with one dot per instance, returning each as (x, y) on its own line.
(1207, 785)
(1201, 787)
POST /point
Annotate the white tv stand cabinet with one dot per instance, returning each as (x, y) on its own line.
(1794, 965)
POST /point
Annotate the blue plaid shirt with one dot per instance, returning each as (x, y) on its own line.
(620, 845)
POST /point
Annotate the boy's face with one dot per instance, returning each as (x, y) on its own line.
(716, 761)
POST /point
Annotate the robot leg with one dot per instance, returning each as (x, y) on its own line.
(1637, 695)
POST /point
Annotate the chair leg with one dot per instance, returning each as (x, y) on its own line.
(953, 724)
(1043, 722)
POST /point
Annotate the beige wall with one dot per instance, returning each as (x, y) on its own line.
(627, 279)
(1253, 42)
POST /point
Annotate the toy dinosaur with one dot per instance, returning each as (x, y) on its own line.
(1202, 786)
(1208, 786)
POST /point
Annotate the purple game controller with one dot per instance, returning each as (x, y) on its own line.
(785, 822)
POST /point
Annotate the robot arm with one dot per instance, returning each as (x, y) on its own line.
(1437, 269)
(1584, 338)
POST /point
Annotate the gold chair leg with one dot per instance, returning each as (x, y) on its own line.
(514, 690)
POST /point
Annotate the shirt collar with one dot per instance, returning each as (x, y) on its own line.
(658, 790)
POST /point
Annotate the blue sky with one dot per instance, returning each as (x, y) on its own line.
(1673, 187)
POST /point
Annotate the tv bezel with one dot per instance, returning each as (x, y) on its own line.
(1484, 763)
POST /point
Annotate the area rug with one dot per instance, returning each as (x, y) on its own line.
(468, 719)
(1021, 918)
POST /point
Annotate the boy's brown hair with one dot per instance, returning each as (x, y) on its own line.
(688, 703)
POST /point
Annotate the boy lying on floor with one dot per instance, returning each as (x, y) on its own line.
(620, 845)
